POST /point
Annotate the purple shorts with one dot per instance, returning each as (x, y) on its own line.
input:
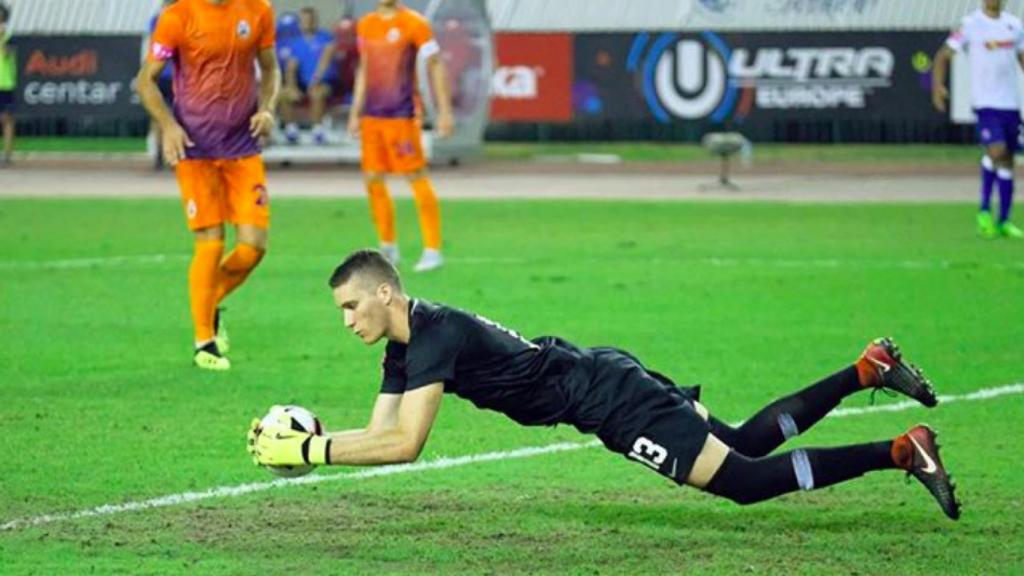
(998, 127)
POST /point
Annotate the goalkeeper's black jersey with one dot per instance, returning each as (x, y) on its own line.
(533, 382)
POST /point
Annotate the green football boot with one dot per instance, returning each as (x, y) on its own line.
(986, 225)
(209, 357)
(1009, 230)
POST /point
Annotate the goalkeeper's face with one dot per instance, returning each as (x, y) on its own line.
(364, 308)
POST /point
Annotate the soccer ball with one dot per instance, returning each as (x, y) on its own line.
(301, 419)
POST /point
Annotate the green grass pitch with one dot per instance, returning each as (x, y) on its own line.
(98, 403)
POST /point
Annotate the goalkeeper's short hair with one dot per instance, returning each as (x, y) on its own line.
(369, 263)
(5, 13)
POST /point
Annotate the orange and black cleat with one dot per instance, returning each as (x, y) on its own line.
(918, 454)
(881, 366)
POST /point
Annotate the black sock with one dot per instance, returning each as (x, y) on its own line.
(210, 347)
(748, 480)
(788, 416)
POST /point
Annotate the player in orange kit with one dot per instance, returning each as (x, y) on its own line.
(221, 109)
(383, 113)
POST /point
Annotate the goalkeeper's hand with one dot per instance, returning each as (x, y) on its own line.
(278, 445)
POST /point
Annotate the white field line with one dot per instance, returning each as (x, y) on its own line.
(983, 394)
(98, 262)
(241, 489)
(437, 464)
(782, 263)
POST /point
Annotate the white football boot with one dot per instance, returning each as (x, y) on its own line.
(430, 260)
(390, 251)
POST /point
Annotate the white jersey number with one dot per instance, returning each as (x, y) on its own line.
(646, 451)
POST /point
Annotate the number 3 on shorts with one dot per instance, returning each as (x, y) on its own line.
(646, 451)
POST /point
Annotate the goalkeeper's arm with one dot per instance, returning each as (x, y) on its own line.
(393, 436)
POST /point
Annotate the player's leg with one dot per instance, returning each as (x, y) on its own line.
(789, 416)
(673, 438)
(202, 193)
(1010, 124)
(382, 212)
(986, 224)
(202, 280)
(880, 366)
(989, 227)
(375, 164)
(250, 247)
(990, 136)
(406, 147)
(288, 104)
(248, 208)
(318, 96)
(429, 211)
(997, 133)
(744, 480)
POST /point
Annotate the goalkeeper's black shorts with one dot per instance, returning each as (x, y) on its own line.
(640, 413)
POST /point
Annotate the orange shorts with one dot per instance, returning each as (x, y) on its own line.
(391, 145)
(215, 191)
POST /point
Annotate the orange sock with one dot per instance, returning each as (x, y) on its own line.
(202, 286)
(382, 210)
(429, 211)
(867, 374)
(236, 268)
(902, 452)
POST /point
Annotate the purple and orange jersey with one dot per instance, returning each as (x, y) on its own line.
(389, 47)
(214, 48)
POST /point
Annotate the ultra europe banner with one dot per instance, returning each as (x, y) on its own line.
(735, 78)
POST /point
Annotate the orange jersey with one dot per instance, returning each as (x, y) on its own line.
(389, 47)
(214, 48)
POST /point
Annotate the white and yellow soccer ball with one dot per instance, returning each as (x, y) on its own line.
(299, 419)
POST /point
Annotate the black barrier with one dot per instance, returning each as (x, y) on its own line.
(754, 77)
(792, 86)
(75, 79)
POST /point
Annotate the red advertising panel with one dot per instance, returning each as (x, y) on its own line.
(533, 78)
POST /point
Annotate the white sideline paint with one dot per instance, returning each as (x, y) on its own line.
(826, 263)
(983, 394)
(241, 489)
(98, 262)
(438, 464)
